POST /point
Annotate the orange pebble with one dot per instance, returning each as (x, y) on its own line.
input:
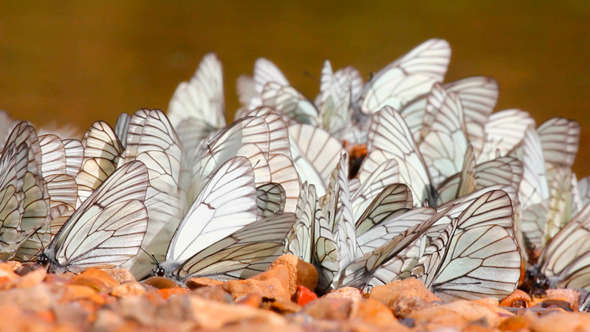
(304, 295)
(165, 293)
(518, 298)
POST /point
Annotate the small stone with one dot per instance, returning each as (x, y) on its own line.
(96, 279)
(28, 280)
(517, 299)
(471, 312)
(160, 283)
(35, 299)
(272, 284)
(194, 283)
(404, 296)
(561, 321)
(253, 300)
(515, 323)
(284, 307)
(107, 320)
(166, 293)
(132, 288)
(15, 264)
(76, 292)
(346, 293)
(300, 272)
(336, 308)
(213, 293)
(120, 275)
(570, 296)
(215, 315)
(375, 313)
(72, 313)
(56, 280)
(7, 273)
(304, 295)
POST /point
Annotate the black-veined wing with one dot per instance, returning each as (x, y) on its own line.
(301, 241)
(74, 156)
(534, 187)
(499, 171)
(368, 185)
(53, 155)
(226, 204)
(445, 141)
(265, 72)
(242, 254)
(504, 132)
(584, 190)
(282, 169)
(270, 199)
(315, 154)
(101, 156)
(248, 137)
(559, 139)
(408, 77)
(566, 259)
(476, 255)
(290, 103)
(152, 140)
(478, 96)
(107, 229)
(392, 200)
(197, 107)
(334, 101)
(121, 128)
(22, 153)
(560, 203)
(391, 238)
(390, 138)
(337, 209)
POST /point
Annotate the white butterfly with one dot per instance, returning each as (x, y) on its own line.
(406, 78)
(315, 154)
(389, 138)
(197, 107)
(151, 139)
(226, 205)
(478, 97)
(23, 194)
(107, 229)
(101, 156)
(566, 259)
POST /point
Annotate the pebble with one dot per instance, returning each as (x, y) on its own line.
(131, 288)
(562, 321)
(300, 272)
(272, 284)
(26, 281)
(215, 315)
(120, 275)
(194, 283)
(404, 296)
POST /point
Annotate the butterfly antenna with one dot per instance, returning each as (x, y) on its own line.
(154, 260)
(308, 74)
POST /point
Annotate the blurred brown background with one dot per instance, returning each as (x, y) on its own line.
(74, 61)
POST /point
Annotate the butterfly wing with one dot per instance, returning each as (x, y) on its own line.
(107, 229)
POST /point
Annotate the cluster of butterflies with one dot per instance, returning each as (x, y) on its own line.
(447, 191)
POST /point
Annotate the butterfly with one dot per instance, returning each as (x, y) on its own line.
(406, 78)
(474, 255)
(107, 228)
(222, 213)
(197, 107)
(24, 200)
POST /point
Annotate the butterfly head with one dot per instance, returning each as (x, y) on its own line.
(43, 260)
(158, 271)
